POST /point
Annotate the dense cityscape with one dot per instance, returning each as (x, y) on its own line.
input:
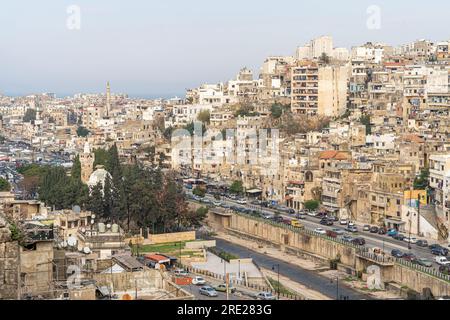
(323, 176)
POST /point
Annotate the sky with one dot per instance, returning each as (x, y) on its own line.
(160, 48)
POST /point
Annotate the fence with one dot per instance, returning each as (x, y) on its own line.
(241, 283)
(361, 250)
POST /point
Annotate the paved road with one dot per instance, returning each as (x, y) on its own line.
(221, 295)
(383, 242)
(307, 278)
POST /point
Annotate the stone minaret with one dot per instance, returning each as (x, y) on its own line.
(87, 163)
(108, 99)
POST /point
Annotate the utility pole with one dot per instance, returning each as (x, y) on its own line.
(418, 214)
(227, 279)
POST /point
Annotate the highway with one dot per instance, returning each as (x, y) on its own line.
(308, 278)
(384, 242)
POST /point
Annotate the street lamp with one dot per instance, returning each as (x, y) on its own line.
(278, 269)
(337, 286)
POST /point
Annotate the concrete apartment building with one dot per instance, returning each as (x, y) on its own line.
(319, 89)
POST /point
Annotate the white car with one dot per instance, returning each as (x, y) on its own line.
(198, 281)
(311, 213)
(320, 231)
(442, 261)
(181, 273)
(217, 203)
(410, 240)
(265, 296)
(343, 222)
(241, 201)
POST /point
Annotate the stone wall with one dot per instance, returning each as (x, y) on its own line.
(291, 239)
(170, 237)
(9, 263)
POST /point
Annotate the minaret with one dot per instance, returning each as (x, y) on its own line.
(87, 159)
(108, 99)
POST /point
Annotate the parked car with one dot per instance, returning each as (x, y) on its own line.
(338, 231)
(445, 269)
(423, 262)
(397, 253)
(409, 257)
(223, 288)
(382, 231)
(439, 252)
(311, 213)
(181, 273)
(265, 296)
(343, 222)
(217, 203)
(301, 216)
(352, 229)
(347, 238)
(422, 243)
(398, 236)
(287, 221)
(320, 231)
(366, 227)
(373, 230)
(241, 201)
(332, 234)
(410, 240)
(359, 241)
(208, 291)
(351, 224)
(296, 224)
(324, 222)
(438, 246)
(442, 261)
(333, 218)
(198, 281)
(392, 232)
(321, 215)
(277, 218)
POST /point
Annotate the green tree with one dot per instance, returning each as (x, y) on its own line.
(199, 191)
(312, 204)
(4, 185)
(30, 115)
(204, 116)
(82, 132)
(237, 187)
(276, 110)
(365, 120)
(324, 58)
(101, 157)
(76, 168)
(95, 202)
(422, 181)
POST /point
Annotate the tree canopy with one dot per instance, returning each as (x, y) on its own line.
(4, 185)
(236, 187)
(82, 132)
(30, 115)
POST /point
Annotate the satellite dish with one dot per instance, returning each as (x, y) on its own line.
(63, 244)
(83, 230)
(87, 250)
(76, 209)
(93, 216)
(92, 221)
(72, 241)
(108, 226)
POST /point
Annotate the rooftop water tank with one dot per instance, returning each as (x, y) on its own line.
(101, 227)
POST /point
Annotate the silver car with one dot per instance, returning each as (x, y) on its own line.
(208, 291)
(265, 296)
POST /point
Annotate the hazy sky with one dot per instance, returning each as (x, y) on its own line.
(146, 47)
